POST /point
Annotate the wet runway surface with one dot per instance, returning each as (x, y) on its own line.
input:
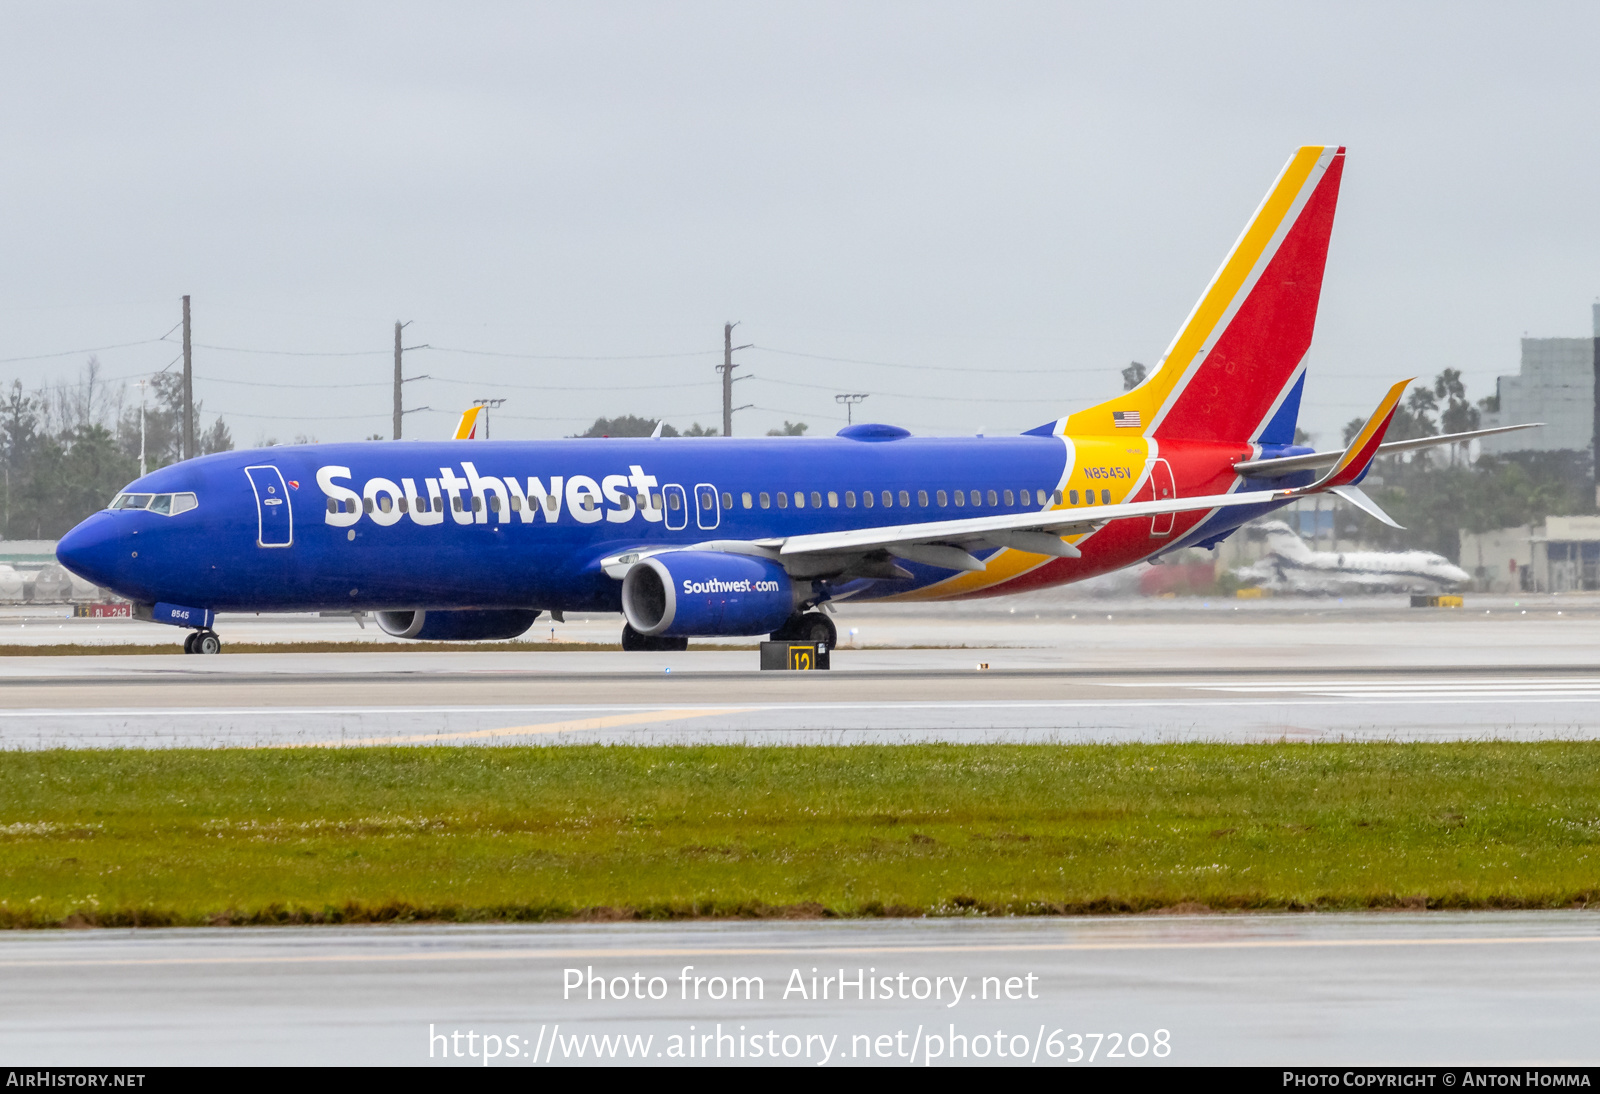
(1417, 988)
(882, 696)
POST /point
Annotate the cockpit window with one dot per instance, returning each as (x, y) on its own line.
(168, 505)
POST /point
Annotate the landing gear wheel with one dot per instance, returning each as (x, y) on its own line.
(188, 641)
(816, 627)
(633, 641)
(808, 627)
(207, 642)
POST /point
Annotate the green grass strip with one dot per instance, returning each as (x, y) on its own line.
(471, 834)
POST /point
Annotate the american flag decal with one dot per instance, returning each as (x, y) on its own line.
(1125, 419)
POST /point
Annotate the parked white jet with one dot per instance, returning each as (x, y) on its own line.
(1291, 567)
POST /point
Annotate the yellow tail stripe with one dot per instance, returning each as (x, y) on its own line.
(1214, 305)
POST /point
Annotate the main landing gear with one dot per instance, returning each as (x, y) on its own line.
(807, 627)
(202, 642)
(633, 641)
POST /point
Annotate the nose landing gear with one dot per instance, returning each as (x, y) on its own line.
(202, 642)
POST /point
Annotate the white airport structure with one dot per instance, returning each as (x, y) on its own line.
(1562, 555)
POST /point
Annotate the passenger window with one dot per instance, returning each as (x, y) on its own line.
(922, 498)
(799, 499)
(1058, 497)
(833, 499)
(888, 499)
(333, 505)
(366, 503)
(943, 499)
(961, 498)
(626, 503)
(849, 499)
(977, 497)
(867, 499)
(477, 504)
(672, 501)
(1074, 496)
(783, 500)
(905, 498)
(552, 503)
(766, 501)
(1008, 498)
(402, 504)
(161, 503)
(1105, 497)
(384, 503)
(727, 500)
(994, 499)
(745, 498)
(816, 499)
(516, 504)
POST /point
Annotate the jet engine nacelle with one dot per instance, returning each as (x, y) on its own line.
(474, 624)
(683, 593)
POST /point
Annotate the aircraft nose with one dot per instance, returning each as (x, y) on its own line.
(94, 550)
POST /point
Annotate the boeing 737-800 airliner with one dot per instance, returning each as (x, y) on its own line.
(686, 537)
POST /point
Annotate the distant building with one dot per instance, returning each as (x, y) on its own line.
(1561, 555)
(1556, 385)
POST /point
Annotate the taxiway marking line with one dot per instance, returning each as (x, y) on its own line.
(574, 726)
(798, 951)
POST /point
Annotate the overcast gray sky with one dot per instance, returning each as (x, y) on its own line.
(1013, 199)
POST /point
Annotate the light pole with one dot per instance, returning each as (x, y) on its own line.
(141, 386)
(488, 405)
(850, 402)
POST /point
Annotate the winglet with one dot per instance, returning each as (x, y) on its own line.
(1358, 456)
(655, 434)
(467, 429)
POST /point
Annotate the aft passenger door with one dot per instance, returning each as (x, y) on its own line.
(274, 514)
(676, 505)
(1163, 489)
(707, 508)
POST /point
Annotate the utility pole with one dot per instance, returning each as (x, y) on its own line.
(399, 352)
(726, 368)
(188, 387)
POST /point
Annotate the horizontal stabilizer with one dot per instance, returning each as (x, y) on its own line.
(1283, 465)
(1358, 497)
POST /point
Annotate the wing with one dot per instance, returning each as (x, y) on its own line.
(870, 552)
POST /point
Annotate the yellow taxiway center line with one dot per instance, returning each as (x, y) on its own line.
(577, 725)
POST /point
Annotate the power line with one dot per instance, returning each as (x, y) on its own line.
(291, 352)
(1035, 401)
(75, 352)
(927, 368)
(570, 357)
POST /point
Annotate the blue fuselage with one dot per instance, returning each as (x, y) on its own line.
(400, 525)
